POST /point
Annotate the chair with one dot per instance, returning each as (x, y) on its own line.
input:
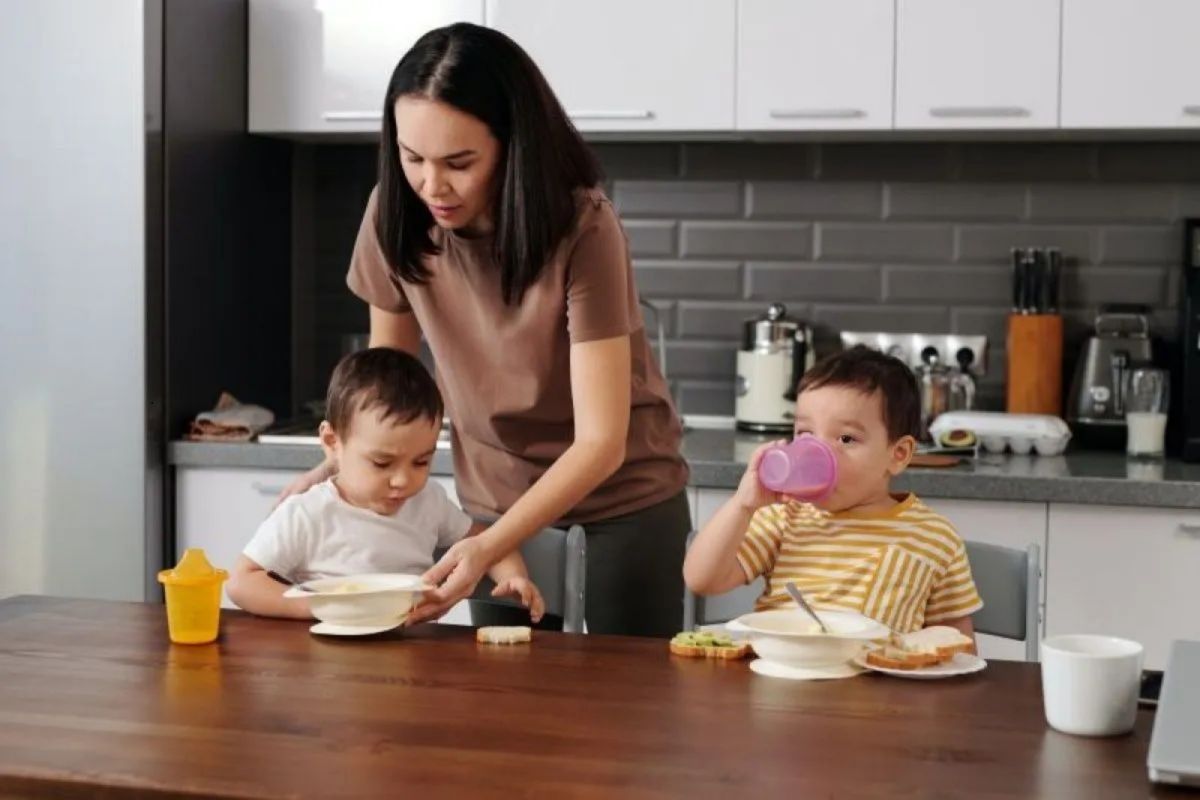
(1007, 580)
(701, 611)
(557, 563)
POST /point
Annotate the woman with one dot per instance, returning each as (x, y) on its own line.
(488, 235)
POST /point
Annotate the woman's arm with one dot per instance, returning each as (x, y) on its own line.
(400, 331)
(600, 390)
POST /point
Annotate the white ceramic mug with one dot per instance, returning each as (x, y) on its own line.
(1090, 683)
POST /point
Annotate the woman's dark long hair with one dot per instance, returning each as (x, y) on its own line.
(543, 159)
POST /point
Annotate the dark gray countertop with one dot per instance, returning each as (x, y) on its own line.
(718, 459)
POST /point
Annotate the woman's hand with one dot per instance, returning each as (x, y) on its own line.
(322, 472)
(455, 577)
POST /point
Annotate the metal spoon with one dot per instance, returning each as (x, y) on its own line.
(800, 601)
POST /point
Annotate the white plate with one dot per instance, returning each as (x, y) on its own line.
(772, 669)
(961, 664)
(332, 629)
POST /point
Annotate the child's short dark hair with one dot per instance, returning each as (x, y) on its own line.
(871, 371)
(381, 377)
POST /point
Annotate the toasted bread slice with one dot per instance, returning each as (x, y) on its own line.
(892, 657)
(729, 652)
(702, 644)
(941, 641)
(504, 634)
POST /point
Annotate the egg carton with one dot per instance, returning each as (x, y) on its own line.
(1022, 433)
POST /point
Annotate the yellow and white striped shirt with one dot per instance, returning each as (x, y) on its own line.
(906, 567)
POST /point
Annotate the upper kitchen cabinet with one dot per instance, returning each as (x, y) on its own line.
(815, 64)
(977, 64)
(631, 65)
(1130, 64)
(322, 66)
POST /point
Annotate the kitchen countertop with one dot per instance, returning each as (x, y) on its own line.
(718, 458)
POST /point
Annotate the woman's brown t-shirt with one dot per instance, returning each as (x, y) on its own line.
(505, 370)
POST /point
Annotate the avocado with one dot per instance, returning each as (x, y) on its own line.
(958, 438)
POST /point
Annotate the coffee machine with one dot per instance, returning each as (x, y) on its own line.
(775, 353)
(1187, 410)
(1096, 404)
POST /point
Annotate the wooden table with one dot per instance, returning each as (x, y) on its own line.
(95, 702)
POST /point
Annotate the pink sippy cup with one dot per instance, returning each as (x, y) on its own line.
(805, 468)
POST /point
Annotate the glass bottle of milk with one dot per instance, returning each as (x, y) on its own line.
(1146, 393)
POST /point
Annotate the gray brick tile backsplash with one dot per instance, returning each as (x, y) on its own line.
(769, 161)
(1157, 244)
(990, 244)
(678, 198)
(705, 397)
(887, 161)
(700, 319)
(949, 284)
(908, 319)
(904, 242)
(1102, 203)
(1092, 286)
(638, 159)
(746, 239)
(653, 238)
(903, 236)
(704, 360)
(813, 200)
(1029, 162)
(937, 201)
(769, 282)
(672, 279)
(1159, 161)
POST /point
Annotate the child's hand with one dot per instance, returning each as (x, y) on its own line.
(524, 590)
(752, 495)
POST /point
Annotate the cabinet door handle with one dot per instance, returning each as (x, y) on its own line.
(267, 489)
(978, 112)
(612, 114)
(1192, 111)
(353, 116)
(817, 113)
(1189, 529)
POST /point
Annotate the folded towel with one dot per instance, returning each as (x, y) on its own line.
(230, 421)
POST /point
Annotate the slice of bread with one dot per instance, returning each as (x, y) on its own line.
(708, 645)
(504, 634)
(892, 657)
(939, 640)
(924, 648)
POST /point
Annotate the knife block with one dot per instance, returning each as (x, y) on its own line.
(1035, 348)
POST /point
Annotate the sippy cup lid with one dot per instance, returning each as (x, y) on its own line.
(193, 569)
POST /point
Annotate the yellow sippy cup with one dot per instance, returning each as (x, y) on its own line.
(193, 591)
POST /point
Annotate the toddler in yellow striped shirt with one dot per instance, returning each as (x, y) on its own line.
(863, 549)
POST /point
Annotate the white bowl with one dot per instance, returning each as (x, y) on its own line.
(788, 636)
(372, 599)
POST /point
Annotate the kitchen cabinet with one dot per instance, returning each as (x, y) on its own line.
(629, 65)
(983, 64)
(815, 64)
(324, 66)
(1128, 64)
(1127, 572)
(219, 509)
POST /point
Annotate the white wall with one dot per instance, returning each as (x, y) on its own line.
(71, 298)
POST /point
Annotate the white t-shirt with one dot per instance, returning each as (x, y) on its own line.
(317, 534)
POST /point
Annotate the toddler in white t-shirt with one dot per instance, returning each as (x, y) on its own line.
(379, 513)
